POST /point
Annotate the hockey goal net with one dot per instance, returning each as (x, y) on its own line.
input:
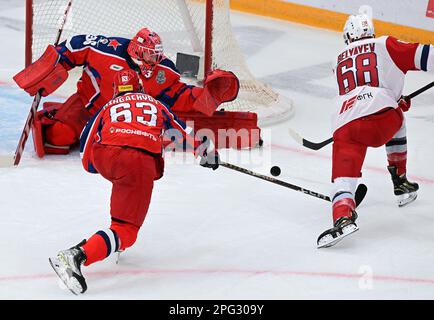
(197, 27)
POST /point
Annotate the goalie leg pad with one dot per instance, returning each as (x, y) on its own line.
(44, 118)
(60, 134)
(227, 129)
(61, 124)
(37, 135)
(73, 113)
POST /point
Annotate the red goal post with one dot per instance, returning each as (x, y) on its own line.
(197, 27)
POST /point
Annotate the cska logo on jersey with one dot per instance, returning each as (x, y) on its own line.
(114, 43)
(161, 77)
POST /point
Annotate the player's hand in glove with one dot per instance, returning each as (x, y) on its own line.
(210, 160)
(404, 103)
(209, 157)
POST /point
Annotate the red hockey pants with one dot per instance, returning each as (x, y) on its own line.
(350, 142)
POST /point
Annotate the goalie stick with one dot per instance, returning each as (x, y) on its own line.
(318, 145)
(360, 194)
(6, 160)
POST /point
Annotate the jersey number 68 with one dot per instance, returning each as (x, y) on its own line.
(357, 71)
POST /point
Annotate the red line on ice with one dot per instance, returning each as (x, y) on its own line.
(367, 167)
(136, 272)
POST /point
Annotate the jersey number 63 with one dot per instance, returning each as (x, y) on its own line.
(123, 112)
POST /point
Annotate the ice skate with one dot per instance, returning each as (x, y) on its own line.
(343, 227)
(404, 190)
(67, 265)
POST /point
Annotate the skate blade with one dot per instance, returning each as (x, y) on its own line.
(328, 240)
(406, 199)
(62, 272)
(118, 256)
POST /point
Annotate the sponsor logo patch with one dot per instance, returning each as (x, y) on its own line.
(128, 87)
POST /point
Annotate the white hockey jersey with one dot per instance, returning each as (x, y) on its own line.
(370, 75)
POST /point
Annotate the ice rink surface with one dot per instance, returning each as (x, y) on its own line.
(222, 234)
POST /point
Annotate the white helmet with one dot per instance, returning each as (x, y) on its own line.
(358, 27)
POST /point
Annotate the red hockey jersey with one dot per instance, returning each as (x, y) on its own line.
(134, 120)
(101, 58)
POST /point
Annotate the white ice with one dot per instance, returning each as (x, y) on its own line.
(222, 234)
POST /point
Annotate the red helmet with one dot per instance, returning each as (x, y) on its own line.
(126, 81)
(146, 50)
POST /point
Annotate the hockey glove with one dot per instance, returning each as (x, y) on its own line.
(404, 103)
(210, 160)
(209, 156)
(45, 75)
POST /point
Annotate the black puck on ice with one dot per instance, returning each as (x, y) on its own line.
(275, 171)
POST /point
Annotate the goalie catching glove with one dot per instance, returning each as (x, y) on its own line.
(45, 75)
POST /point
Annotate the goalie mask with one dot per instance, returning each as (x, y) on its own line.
(358, 27)
(126, 81)
(146, 50)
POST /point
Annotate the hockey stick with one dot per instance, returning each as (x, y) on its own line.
(307, 143)
(359, 195)
(419, 91)
(34, 108)
(319, 145)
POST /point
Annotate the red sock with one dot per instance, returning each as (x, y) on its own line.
(343, 208)
(95, 249)
(398, 160)
(100, 246)
(120, 236)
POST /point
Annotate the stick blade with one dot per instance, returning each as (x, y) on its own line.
(361, 191)
(316, 146)
(306, 143)
(295, 136)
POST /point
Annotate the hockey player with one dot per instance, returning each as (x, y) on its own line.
(370, 75)
(58, 125)
(123, 142)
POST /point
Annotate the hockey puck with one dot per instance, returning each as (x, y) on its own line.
(275, 171)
